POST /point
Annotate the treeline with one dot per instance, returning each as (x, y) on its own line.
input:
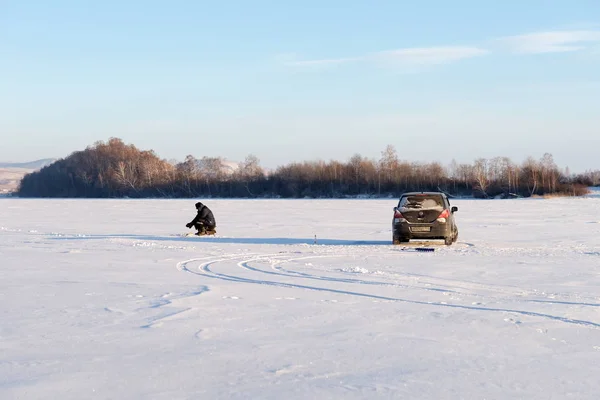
(114, 169)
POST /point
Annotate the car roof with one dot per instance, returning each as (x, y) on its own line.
(423, 193)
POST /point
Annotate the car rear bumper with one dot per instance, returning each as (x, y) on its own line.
(410, 231)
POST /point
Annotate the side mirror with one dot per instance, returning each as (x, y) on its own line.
(454, 209)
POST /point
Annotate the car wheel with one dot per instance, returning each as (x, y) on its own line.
(455, 237)
(448, 240)
(399, 239)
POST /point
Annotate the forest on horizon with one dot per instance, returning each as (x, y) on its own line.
(114, 169)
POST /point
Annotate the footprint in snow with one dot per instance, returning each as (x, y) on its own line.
(113, 310)
(231, 297)
(286, 369)
(512, 320)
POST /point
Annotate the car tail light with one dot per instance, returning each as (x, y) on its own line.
(398, 217)
(444, 214)
(442, 217)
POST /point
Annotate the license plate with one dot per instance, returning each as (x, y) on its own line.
(420, 229)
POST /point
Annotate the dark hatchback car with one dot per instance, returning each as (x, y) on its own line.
(424, 215)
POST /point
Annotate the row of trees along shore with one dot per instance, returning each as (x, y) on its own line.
(114, 169)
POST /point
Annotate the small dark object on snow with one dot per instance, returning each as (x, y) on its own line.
(204, 221)
(424, 249)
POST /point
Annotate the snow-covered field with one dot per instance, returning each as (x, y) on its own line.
(100, 300)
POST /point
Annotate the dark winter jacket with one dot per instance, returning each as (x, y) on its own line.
(204, 216)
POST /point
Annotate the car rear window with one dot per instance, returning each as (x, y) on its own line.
(422, 202)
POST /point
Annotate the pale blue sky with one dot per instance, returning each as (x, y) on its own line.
(303, 80)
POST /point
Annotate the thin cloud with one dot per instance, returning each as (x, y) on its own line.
(531, 43)
(407, 56)
(429, 55)
(551, 41)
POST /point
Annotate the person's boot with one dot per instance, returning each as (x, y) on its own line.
(201, 231)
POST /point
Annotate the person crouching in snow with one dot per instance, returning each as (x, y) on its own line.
(204, 221)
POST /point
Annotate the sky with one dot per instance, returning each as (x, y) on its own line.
(303, 80)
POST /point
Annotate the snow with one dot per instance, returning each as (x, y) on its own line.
(297, 299)
(426, 204)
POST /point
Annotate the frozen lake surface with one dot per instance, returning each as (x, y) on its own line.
(101, 299)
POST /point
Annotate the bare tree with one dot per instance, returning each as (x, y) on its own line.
(531, 172)
(481, 174)
(189, 172)
(250, 169)
(126, 174)
(212, 170)
(355, 164)
(549, 172)
(388, 162)
(436, 173)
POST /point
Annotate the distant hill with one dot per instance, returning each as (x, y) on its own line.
(32, 165)
(10, 178)
(11, 173)
(230, 166)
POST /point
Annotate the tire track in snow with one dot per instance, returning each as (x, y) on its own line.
(206, 269)
(296, 274)
(439, 284)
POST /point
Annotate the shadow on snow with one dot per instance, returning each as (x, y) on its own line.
(234, 240)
